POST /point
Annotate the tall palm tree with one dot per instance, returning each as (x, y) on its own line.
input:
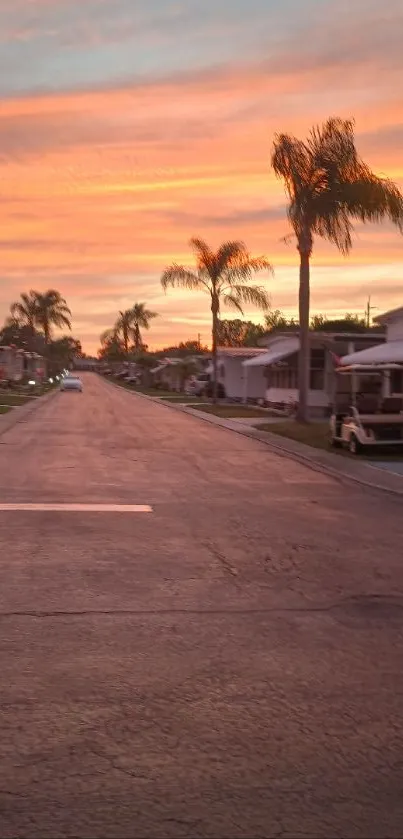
(51, 310)
(124, 327)
(24, 311)
(329, 187)
(140, 319)
(223, 275)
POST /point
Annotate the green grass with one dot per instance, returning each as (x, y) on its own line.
(4, 409)
(228, 411)
(13, 399)
(314, 434)
(181, 397)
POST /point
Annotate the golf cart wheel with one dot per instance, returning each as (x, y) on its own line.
(334, 442)
(354, 445)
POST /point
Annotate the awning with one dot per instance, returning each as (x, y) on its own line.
(389, 353)
(280, 349)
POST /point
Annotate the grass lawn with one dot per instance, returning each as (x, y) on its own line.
(13, 399)
(229, 411)
(147, 391)
(4, 409)
(181, 397)
(314, 434)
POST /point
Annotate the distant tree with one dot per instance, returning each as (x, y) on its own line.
(124, 327)
(140, 319)
(318, 322)
(224, 276)
(183, 349)
(112, 348)
(21, 336)
(51, 310)
(64, 350)
(329, 187)
(350, 323)
(24, 311)
(275, 319)
(239, 333)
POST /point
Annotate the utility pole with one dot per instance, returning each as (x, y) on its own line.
(368, 311)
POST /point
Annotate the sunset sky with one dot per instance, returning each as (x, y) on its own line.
(127, 127)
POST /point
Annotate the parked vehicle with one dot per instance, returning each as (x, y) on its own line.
(196, 385)
(362, 418)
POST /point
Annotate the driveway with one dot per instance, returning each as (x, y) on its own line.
(227, 665)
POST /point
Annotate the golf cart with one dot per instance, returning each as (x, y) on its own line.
(363, 417)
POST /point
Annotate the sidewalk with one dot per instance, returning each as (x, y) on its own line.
(338, 466)
(19, 413)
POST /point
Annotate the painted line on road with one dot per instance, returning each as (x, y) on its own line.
(76, 508)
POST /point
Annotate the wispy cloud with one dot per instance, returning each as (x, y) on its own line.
(125, 129)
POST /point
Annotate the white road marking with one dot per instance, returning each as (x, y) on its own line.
(77, 508)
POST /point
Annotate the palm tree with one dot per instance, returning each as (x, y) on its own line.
(51, 310)
(124, 327)
(24, 311)
(223, 275)
(329, 187)
(140, 319)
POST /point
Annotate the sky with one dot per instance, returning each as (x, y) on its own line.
(128, 127)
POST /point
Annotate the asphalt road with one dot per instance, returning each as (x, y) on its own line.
(226, 666)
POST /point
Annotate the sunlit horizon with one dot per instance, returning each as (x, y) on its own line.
(126, 132)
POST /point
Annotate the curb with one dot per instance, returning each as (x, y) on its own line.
(281, 451)
(18, 413)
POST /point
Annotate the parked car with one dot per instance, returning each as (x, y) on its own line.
(71, 383)
(197, 385)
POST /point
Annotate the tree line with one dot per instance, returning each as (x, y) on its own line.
(31, 322)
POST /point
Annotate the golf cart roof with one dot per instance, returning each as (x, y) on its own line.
(368, 368)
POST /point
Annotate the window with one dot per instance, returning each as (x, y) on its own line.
(316, 380)
(396, 383)
(317, 371)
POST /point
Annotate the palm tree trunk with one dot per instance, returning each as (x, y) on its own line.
(137, 337)
(214, 334)
(304, 353)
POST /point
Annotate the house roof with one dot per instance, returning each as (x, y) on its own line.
(319, 336)
(392, 314)
(281, 348)
(239, 352)
(387, 353)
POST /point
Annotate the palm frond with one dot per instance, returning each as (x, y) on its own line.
(145, 316)
(233, 302)
(291, 161)
(229, 253)
(181, 277)
(370, 198)
(250, 295)
(205, 257)
(243, 268)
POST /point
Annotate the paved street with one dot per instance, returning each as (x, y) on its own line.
(228, 665)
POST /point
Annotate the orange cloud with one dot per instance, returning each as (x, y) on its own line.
(100, 189)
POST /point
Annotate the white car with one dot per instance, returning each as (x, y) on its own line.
(71, 383)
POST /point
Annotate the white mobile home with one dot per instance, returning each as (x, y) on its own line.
(232, 376)
(389, 351)
(279, 365)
